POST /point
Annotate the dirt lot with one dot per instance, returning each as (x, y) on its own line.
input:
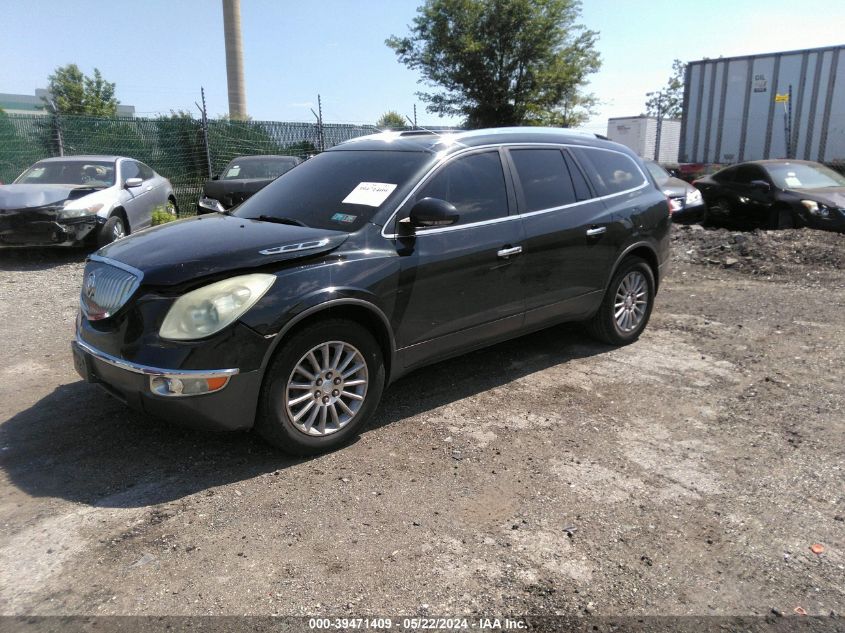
(688, 473)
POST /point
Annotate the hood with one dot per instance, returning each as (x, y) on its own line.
(27, 196)
(675, 187)
(205, 245)
(832, 196)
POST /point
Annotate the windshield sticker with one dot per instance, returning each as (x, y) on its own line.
(344, 217)
(792, 181)
(233, 172)
(371, 194)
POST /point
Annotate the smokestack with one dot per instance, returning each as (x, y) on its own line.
(234, 58)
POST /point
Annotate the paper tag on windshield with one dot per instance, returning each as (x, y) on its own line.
(371, 194)
(792, 181)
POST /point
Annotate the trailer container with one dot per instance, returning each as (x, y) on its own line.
(779, 105)
(640, 134)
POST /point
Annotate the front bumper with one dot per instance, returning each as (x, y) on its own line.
(229, 408)
(45, 229)
(690, 213)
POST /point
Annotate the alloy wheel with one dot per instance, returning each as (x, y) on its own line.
(629, 307)
(327, 388)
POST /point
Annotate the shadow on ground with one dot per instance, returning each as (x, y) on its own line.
(29, 259)
(79, 444)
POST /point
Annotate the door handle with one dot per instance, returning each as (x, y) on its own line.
(149, 188)
(507, 252)
(596, 230)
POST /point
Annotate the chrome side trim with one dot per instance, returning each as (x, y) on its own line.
(292, 248)
(505, 218)
(146, 370)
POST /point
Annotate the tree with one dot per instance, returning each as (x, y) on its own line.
(668, 102)
(502, 62)
(73, 92)
(391, 119)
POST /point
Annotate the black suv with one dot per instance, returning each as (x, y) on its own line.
(381, 255)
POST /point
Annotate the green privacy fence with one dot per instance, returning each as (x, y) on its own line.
(174, 146)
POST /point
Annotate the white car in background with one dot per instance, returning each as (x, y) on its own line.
(81, 200)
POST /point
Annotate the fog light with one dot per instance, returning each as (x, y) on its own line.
(172, 386)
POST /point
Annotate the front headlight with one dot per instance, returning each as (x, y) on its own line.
(211, 204)
(693, 196)
(209, 309)
(78, 212)
(816, 208)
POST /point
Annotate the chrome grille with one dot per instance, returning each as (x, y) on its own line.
(106, 287)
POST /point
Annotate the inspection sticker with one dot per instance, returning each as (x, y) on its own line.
(371, 194)
(344, 217)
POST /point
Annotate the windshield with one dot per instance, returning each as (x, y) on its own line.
(660, 174)
(340, 190)
(258, 168)
(803, 176)
(69, 172)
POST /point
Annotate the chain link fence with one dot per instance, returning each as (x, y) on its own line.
(175, 146)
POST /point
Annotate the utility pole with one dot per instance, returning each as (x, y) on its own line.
(321, 141)
(415, 116)
(234, 59)
(204, 119)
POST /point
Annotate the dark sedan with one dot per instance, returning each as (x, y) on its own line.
(777, 193)
(386, 253)
(240, 179)
(685, 201)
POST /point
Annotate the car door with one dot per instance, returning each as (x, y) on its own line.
(136, 199)
(752, 192)
(569, 234)
(460, 285)
(155, 185)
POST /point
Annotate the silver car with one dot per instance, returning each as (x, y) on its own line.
(78, 200)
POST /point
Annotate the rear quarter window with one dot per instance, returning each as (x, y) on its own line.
(610, 171)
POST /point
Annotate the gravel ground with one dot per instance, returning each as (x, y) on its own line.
(687, 474)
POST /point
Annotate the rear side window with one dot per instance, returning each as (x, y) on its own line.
(475, 184)
(145, 171)
(582, 189)
(544, 178)
(611, 171)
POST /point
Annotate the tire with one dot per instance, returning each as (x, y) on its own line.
(113, 229)
(782, 218)
(295, 410)
(632, 281)
(171, 208)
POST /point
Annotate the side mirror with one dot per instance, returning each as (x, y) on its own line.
(131, 183)
(431, 212)
(761, 185)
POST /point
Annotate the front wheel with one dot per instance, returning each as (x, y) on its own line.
(322, 388)
(113, 230)
(627, 303)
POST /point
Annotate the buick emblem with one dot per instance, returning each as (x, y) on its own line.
(88, 288)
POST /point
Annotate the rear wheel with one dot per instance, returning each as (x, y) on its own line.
(627, 304)
(113, 230)
(322, 388)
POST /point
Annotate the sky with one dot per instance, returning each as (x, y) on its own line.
(159, 52)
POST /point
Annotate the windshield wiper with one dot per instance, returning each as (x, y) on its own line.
(280, 220)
